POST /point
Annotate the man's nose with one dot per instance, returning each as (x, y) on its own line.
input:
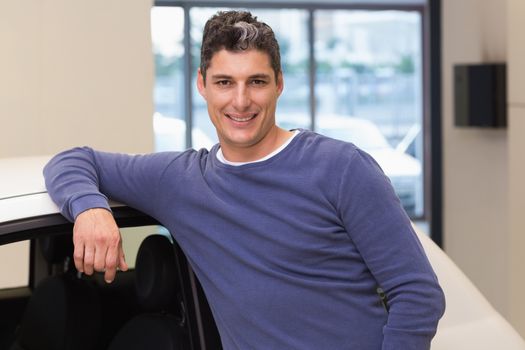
(242, 98)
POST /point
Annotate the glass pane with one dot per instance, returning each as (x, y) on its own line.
(290, 29)
(14, 265)
(369, 91)
(167, 30)
(132, 237)
(202, 125)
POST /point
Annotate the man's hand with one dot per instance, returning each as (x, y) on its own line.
(98, 244)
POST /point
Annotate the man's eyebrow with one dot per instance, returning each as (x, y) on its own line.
(221, 76)
(260, 76)
(254, 76)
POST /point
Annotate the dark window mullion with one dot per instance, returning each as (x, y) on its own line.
(436, 151)
(312, 66)
(188, 100)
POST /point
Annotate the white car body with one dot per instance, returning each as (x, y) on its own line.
(22, 189)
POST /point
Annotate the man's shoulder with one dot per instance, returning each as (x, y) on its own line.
(334, 154)
(183, 158)
(327, 147)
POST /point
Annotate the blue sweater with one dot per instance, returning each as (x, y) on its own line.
(290, 251)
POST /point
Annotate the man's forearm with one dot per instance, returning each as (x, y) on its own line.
(72, 182)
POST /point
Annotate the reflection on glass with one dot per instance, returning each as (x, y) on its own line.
(368, 90)
(167, 31)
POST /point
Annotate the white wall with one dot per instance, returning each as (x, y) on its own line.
(475, 160)
(484, 169)
(516, 74)
(72, 72)
(75, 72)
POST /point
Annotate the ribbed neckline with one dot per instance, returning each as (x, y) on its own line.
(256, 164)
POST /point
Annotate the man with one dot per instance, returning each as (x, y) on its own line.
(290, 233)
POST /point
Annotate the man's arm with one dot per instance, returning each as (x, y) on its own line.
(382, 232)
(81, 180)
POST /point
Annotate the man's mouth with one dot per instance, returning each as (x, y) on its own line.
(241, 119)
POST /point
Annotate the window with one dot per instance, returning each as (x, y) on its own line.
(167, 32)
(352, 74)
(369, 90)
(132, 237)
(14, 275)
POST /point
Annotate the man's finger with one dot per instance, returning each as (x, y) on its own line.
(89, 256)
(100, 263)
(78, 256)
(111, 264)
(123, 265)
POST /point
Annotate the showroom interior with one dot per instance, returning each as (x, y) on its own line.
(77, 73)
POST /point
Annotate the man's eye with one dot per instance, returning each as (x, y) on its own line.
(258, 82)
(223, 82)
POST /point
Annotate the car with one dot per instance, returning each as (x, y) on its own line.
(403, 170)
(54, 307)
(48, 305)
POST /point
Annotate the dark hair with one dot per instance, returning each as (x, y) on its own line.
(238, 31)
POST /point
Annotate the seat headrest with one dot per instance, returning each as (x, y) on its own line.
(61, 314)
(56, 248)
(156, 274)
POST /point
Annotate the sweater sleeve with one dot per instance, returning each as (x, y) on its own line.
(382, 232)
(81, 179)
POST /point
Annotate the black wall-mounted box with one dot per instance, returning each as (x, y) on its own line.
(480, 95)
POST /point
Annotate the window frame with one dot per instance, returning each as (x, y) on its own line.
(429, 11)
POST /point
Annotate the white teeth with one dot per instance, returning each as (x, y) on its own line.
(240, 119)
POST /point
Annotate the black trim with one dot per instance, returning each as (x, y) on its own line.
(312, 67)
(54, 224)
(436, 158)
(188, 298)
(32, 265)
(188, 82)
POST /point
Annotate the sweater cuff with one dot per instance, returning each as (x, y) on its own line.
(86, 202)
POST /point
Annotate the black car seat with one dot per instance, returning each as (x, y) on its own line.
(160, 324)
(63, 312)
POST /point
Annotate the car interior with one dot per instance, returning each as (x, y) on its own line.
(158, 301)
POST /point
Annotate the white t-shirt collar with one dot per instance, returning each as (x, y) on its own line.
(223, 160)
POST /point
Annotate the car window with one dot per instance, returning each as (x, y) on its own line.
(132, 237)
(14, 265)
(15, 257)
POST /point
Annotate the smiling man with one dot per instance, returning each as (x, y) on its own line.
(291, 234)
(241, 93)
(240, 78)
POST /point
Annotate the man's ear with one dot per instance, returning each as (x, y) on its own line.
(201, 84)
(280, 83)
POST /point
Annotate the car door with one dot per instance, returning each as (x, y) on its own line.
(30, 233)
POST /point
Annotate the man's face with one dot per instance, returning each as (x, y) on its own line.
(241, 93)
